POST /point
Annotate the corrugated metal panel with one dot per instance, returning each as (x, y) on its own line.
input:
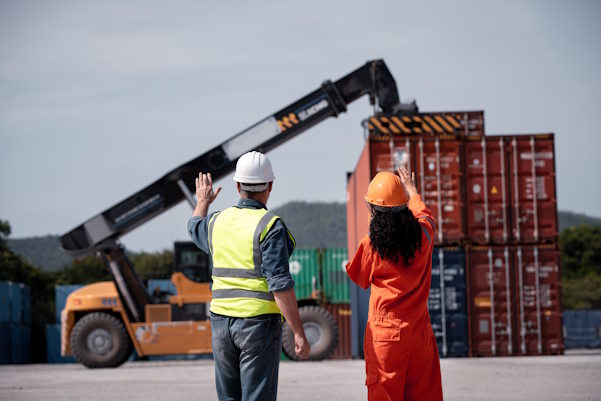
(335, 280)
(534, 199)
(467, 124)
(447, 302)
(515, 300)
(436, 162)
(437, 166)
(359, 314)
(304, 267)
(16, 302)
(20, 344)
(357, 214)
(511, 194)
(582, 328)
(539, 300)
(492, 298)
(61, 292)
(487, 191)
(15, 343)
(5, 343)
(342, 315)
(5, 309)
(26, 300)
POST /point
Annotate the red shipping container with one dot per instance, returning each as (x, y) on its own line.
(515, 305)
(342, 316)
(357, 214)
(534, 200)
(510, 195)
(437, 167)
(538, 321)
(491, 300)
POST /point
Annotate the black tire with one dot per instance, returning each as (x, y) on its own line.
(99, 340)
(321, 331)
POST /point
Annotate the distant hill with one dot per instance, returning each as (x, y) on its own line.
(43, 252)
(570, 219)
(313, 224)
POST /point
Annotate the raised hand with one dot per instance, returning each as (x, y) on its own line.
(408, 181)
(204, 194)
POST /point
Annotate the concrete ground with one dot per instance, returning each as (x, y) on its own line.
(573, 377)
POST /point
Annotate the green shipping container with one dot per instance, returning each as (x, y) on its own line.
(336, 284)
(304, 267)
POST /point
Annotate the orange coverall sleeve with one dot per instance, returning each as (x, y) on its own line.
(423, 215)
(359, 272)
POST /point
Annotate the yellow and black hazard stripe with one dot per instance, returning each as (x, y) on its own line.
(423, 123)
(288, 121)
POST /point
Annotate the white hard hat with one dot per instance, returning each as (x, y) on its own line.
(254, 168)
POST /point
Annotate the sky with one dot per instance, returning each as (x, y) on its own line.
(99, 99)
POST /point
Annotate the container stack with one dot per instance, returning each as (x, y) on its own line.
(512, 248)
(495, 275)
(15, 323)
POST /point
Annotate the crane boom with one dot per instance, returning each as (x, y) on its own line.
(102, 230)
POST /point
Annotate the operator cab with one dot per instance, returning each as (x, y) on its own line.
(191, 262)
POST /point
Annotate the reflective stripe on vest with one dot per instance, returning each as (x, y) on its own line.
(239, 288)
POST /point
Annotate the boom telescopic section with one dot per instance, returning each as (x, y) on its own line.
(101, 231)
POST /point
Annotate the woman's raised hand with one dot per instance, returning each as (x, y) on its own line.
(408, 181)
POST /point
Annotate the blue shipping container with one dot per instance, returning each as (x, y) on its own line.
(16, 302)
(26, 311)
(5, 301)
(452, 336)
(15, 343)
(53, 345)
(582, 328)
(5, 344)
(20, 344)
(61, 292)
(447, 302)
(359, 312)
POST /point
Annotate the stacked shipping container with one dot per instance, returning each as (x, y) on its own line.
(15, 323)
(494, 201)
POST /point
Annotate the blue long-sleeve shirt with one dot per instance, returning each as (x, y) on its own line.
(276, 247)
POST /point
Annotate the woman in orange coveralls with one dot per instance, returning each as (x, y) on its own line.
(401, 356)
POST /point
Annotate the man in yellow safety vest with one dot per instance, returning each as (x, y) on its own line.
(252, 286)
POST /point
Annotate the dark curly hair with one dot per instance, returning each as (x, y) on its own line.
(395, 234)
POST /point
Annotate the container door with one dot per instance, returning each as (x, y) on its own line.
(490, 301)
(439, 182)
(447, 302)
(486, 190)
(304, 268)
(390, 155)
(534, 202)
(335, 280)
(538, 310)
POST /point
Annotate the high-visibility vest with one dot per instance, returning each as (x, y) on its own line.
(239, 288)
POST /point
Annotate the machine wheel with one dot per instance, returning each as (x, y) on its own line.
(99, 340)
(321, 331)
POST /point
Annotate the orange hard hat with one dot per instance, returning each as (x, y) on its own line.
(386, 190)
